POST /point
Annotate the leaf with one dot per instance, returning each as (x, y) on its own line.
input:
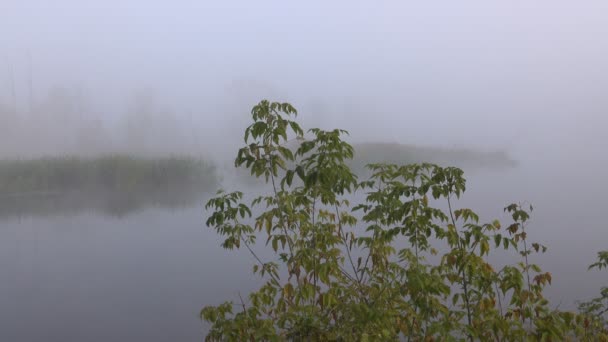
(455, 298)
(484, 247)
(300, 172)
(288, 290)
(289, 177)
(275, 244)
(536, 246)
(497, 240)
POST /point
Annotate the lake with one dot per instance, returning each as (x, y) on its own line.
(144, 276)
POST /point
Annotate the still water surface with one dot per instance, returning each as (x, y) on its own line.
(97, 278)
(145, 276)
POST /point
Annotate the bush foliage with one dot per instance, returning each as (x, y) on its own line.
(394, 266)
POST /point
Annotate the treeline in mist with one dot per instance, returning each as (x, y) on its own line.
(65, 122)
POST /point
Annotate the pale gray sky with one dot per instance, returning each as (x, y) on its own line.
(467, 73)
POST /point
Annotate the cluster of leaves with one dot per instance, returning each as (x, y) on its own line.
(395, 266)
(595, 311)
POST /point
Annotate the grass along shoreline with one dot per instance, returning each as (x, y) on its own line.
(117, 173)
(110, 184)
(381, 152)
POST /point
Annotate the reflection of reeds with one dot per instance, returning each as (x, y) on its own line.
(108, 181)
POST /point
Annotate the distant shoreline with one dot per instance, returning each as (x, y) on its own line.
(111, 183)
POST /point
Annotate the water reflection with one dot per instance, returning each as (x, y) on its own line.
(111, 203)
(90, 277)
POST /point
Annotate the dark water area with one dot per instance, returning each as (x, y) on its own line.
(95, 276)
(108, 203)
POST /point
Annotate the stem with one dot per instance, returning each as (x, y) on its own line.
(526, 257)
(280, 204)
(314, 249)
(365, 266)
(463, 270)
(499, 300)
(258, 258)
(527, 267)
(369, 254)
(415, 227)
(343, 238)
(242, 302)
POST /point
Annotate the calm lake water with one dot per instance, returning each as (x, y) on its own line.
(145, 276)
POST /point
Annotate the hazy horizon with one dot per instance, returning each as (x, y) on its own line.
(161, 77)
(513, 76)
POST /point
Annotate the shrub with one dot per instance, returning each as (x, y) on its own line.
(394, 266)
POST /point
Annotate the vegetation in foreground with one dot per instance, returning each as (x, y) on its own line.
(392, 267)
(115, 184)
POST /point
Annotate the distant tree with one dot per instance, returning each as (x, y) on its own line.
(150, 127)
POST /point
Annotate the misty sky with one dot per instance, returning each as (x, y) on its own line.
(466, 73)
(526, 76)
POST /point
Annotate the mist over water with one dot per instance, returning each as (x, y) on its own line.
(157, 79)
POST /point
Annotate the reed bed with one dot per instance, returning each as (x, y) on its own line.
(114, 184)
(367, 153)
(119, 173)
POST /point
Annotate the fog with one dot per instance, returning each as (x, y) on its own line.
(514, 75)
(180, 77)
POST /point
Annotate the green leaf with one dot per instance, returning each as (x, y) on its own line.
(289, 177)
(300, 172)
(497, 239)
